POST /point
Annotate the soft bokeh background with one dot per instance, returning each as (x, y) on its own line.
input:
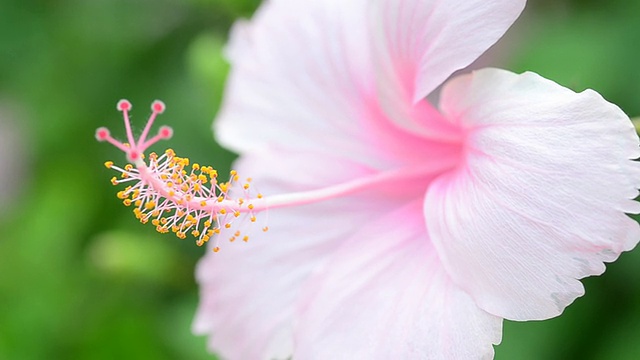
(81, 279)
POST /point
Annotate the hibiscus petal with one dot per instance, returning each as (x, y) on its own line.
(541, 197)
(248, 291)
(422, 42)
(302, 78)
(385, 295)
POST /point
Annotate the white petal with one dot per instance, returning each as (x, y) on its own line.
(302, 78)
(420, 43)
(385, 295)
(540, 200)
(249, 291)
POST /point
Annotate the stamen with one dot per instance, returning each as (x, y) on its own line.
(166, 191)
(189, 199)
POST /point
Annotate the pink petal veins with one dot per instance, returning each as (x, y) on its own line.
(418, 44)
(281, 89)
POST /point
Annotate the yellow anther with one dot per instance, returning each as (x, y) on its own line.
(265, 229)
(259, 196)
(249, 179)
(186, 186)
(216, 249)
(232, 239)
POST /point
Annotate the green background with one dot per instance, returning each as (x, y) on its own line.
(80, 278)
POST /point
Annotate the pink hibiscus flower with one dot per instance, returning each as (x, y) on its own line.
(418, 228)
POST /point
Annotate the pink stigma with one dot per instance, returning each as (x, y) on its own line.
(136, 148)
(102, 134)
(124, 105)
(165, 132)
(158, 106)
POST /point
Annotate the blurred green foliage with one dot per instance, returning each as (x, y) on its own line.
(81, 279)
